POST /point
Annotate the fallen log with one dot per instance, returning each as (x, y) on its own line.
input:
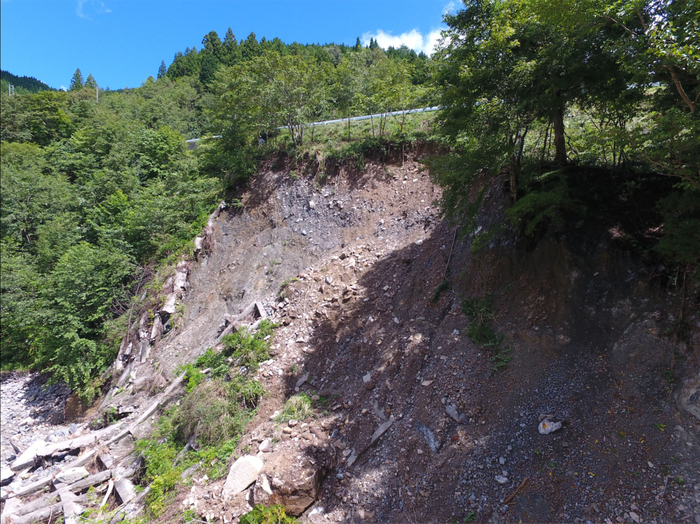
(83, 459)
(110, 487)
(149, 411)
(97, 478)
(125, 489)
(33, 487)
(41, 502)
(39, 515)
(70, 508)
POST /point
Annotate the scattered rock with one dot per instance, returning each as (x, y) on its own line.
(6, 476)
(546, 427)
(293, 484)
(689, 397)
(501, 479)
(429, 436)
(242, 474)
(455, 414)
(265, 446)
(303, 379)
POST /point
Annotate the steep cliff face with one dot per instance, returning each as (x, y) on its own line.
(370, 325)
(380, 303)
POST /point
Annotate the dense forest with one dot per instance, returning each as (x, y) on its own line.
(22, 84)
(581, 111)
(99, 187)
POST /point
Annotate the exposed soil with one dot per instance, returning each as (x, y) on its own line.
(592, 347)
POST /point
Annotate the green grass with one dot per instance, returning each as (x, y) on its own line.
(271, 515)
(331, 141)
(297, 407)
(441, 287)
(480, 314)
(214, 412)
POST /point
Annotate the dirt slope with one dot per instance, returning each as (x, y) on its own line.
(589, 349)
(363, 328)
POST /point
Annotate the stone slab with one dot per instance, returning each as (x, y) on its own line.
(242, 474)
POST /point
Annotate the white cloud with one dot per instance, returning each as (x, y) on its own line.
(79, 10)
(413, 39)
(95, 7)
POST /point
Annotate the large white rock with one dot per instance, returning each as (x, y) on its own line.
(71, 475)
(26, 459)
(242, 474)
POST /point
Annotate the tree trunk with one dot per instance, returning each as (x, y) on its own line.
(559, 139)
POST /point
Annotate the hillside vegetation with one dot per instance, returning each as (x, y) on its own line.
(586, 110)
(22, 84)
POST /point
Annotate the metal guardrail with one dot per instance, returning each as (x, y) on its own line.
(192, 142)
(367, 117)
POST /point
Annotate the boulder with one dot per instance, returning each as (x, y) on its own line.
(170, 306)
(157, 330)
(27, 458)
(242, 474)
(291, 480)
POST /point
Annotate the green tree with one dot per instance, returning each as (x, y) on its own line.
(162, 70)
(90, 82)
(231, 51)
(82, 289)
(250, 48)
(212, 44)
(508, 65)
(76, 82)
(273, 90)
(209, 67)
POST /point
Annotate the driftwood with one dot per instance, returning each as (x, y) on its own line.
(125, 489)
(39, 515)
(149, 411)
(110, 487)
(33, 487)
(34, 505)
(29, 513)
(83, 459)
(42, 449)
(70, 509)
(97, 478)
(254, 311)
(47, 500)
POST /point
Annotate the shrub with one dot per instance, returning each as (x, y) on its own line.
(208, 415)
(272, 515)
(297, 407)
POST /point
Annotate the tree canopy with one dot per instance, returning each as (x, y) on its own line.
(513, 76)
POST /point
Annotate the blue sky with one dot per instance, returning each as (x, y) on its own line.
(122, 42)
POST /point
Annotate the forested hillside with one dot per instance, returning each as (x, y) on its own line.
(585, 111)
(99, 187)
(510, 282)
(22, 84)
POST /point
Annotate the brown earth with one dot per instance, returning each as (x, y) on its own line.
(364, 328)
(588, 333)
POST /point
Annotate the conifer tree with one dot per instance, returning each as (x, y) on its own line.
(90, 82)
(358, 45)
(77, 81)
(162, 70)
